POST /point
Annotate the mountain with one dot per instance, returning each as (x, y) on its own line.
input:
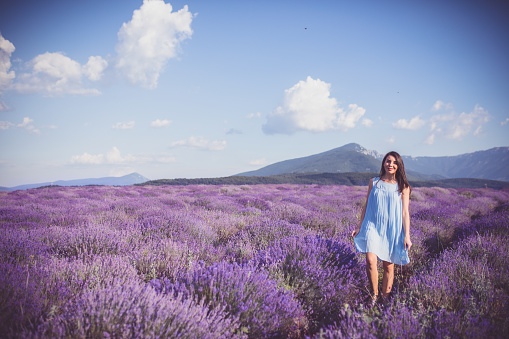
(491, 164)
(130, 179)
(349, 158)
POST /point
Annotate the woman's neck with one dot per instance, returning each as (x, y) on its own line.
(388, 177)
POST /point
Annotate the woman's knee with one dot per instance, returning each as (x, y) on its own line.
(371, 259)
(388, 266)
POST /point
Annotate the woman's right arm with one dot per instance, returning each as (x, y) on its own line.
(363, 213)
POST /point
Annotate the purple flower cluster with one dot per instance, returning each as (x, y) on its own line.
(263, 309)
(136, 310)
(244, 261)
(323, 274)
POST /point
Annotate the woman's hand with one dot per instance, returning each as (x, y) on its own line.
(408, 243)
(355, 232)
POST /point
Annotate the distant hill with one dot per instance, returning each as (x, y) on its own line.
(130, 179)
(492, 164)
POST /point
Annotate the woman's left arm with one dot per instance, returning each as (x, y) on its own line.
(405, 198)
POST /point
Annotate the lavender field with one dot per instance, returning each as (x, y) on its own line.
(245, 262)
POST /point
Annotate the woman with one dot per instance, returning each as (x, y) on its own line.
(384, 229)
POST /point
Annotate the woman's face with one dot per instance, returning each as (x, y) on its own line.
(390, 165)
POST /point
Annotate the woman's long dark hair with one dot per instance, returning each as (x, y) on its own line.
(400, 173)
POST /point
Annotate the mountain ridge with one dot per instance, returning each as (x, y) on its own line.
(491, 164)
(126, 180)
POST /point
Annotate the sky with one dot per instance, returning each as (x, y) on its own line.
(204, 88)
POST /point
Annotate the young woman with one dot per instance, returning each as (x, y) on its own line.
(384, 229)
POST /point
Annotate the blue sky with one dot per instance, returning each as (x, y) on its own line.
(187, 89)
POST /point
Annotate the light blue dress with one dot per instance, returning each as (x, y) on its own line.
(382, 231)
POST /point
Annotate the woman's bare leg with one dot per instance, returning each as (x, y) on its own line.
(372, 271)
(388, 278)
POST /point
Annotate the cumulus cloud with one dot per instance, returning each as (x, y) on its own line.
(458, 126)
(111, 157)
(124, 125)
(307, 106)
(463, 125)
(6, 50)
(200, 143)
(413, 124)
(367, 122)
(439, 104)
(94, 68)
(504, 122)
(56, 74)
(150, 39)
(86, 158)
(160, 123)
(6, 76)
(116, 158)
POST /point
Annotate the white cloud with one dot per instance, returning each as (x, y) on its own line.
(111, 157)
(150, 39)
(367, 122)
(124, 125)
(254, 115)
(504, 122)
(463, 125)
(414, 124)
(56, 74)
(94, 68)
(200, 143)
(86, 158)
(6, 50)
(6, 125)
(258, 162)
(114, 157)
(160, 123)
(307, 106)
(457, 126)
(439, 104)
(391, 140)
(27, 124)
(6, 76)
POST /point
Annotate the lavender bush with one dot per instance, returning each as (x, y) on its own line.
(323, 274)
(244, 261)
(263, 309)
(135, 310)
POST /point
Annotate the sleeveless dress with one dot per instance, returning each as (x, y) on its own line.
(381, 231)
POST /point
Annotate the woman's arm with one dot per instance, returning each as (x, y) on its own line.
(405, 199)
(363, 213)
